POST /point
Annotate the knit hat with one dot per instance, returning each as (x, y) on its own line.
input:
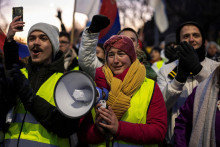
(170, 38)
(51, 31)
(123, 43)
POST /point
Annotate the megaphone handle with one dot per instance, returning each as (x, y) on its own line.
(107, 138)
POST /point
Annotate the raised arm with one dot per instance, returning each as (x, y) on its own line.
(88, 60)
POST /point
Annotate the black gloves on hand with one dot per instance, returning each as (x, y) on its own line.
(22, 85)
(98, 23)
(182, 73)
(171, 53)
(189, 58)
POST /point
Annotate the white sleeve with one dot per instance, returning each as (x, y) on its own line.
(171, 90)
(88, 60)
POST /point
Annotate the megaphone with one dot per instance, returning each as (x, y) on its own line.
(75, 94)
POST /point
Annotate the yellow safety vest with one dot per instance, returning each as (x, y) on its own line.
(33, 133)
(137, 112)
(159, 64)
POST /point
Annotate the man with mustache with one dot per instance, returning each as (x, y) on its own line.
(35, 119)
(178, 78)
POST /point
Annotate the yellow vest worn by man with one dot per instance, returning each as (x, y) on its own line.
(25, 130)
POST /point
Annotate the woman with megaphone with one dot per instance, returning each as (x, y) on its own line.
(136, 113)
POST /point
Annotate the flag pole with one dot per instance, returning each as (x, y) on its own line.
(73, 24)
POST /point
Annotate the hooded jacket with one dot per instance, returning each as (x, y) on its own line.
(174, 92)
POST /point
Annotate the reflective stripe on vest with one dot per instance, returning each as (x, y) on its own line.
(28, 118)
(137, 112)
(26, 143)
(33, 133)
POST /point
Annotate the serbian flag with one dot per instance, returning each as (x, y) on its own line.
(104, 7)
(109, 9)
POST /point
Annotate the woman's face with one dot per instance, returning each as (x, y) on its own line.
(118, 60)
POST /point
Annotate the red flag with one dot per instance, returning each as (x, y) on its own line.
(109, 8)
(2, 39)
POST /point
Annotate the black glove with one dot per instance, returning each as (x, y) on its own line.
(171, 53)
(182, 73)
(98, 23)
(22, 85)
(189, 57)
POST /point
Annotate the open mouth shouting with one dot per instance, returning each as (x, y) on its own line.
(36, 51)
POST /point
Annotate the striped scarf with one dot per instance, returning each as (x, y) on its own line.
(122, 91)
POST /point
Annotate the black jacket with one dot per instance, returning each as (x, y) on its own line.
(44, 112)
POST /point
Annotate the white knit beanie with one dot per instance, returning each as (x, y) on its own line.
(51, 31)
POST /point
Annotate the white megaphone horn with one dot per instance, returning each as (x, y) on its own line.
(75, 94)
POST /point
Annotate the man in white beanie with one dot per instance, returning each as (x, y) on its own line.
(36, 121)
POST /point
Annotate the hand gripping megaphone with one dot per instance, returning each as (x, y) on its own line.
(75, 94)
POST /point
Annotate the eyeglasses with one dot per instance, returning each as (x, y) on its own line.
(64, 42)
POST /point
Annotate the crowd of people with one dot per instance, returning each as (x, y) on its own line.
(166, 97)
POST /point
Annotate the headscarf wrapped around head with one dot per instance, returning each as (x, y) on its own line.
(123, 43)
